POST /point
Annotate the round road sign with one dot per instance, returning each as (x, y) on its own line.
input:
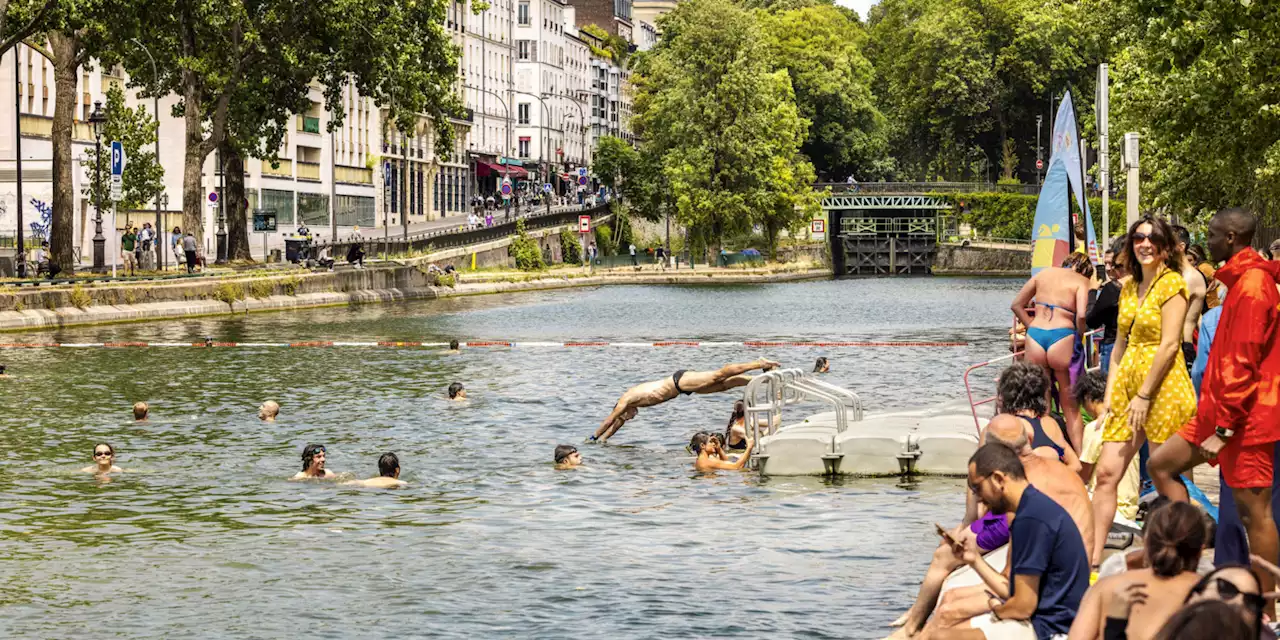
(213, 196)
(1039, 164)
(582, 180)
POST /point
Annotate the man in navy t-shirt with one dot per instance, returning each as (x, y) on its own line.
(1048, 563)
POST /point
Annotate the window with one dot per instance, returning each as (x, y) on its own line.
(282, 202)
(524, 146)
(523, 14)
(354, 210)
(313, 209)
(522, 111)
(522, 49)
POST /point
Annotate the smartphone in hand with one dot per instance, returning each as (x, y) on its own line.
(946, 536)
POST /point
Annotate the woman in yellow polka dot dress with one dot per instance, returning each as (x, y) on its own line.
(1149, 394)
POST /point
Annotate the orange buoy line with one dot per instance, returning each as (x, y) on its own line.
(210, 343)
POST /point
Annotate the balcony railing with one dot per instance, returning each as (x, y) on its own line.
(308, 124)
(42, 127)
(354, 175)
(285, 170)
(309, 171)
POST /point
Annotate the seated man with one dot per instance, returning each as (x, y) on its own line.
(567, 456)
(1048, 564)
(684, 382)
(268, 411)
(140, 411)
(989, 532)
(456, 392)
(313, 464)
(389, 474)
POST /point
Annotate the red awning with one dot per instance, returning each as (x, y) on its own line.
(485, 169)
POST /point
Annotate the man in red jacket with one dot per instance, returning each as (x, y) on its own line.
(1237, 421)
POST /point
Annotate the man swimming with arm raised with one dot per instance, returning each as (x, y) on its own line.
(684, 382)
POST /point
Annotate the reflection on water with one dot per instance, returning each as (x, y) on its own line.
(206, 538)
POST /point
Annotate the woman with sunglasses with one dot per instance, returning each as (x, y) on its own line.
(1149, 392)
(1236, 585)
(104, 457)
(1136, 604)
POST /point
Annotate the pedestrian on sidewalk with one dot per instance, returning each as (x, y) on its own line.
(175, 246)
(129, 242)
(189, 246)
(634, 262)
(662, 257)
(592, 252)
(146, 256)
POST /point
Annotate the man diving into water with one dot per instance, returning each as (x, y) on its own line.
(657, 392)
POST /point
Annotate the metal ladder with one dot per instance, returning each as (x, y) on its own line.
(767, 394)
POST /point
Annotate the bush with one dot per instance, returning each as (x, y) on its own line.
(570, 247)
(525, 250)
(604, 239)
(290, 285)
(262, 288)
(1010, 215)
(229, 292)
(79, 297)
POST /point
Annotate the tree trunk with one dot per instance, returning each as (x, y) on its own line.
(237, 225)
(193, 163)
(65, 48)
(771, 235)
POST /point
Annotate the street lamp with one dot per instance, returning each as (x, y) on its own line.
(221, 244)
(98, 120)
(162, 204)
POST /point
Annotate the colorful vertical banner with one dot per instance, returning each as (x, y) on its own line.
(1053, 211)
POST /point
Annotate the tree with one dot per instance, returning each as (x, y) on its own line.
(615, 160)
(136, 131)
(21, 19)
(717, 117)
(1198, 83)
(820, 47)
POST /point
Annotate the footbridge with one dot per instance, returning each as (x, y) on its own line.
(892, 228)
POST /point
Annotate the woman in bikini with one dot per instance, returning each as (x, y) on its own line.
(1059, 297)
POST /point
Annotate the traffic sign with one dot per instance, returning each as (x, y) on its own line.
(584, 224)
(1039, 164)
(818, 226)
(117, 158)
(213, 196)
(506, 187)
(582, 181)
(582, 172)
(546, 187)
(117, 189)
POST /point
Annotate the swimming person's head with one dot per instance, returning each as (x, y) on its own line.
(2, 370)
(1236, 585)
(313, 458)
(104, 454)
(739, 414)
(567, 455)
(1173, 538)
(700, 441)
(453, 344)
(456, 392)
(140, 410)
(822, 365)
(389, 465)
(1091, 392)
(268, 411)
(1023, 387)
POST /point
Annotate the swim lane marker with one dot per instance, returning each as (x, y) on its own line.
(481, 344)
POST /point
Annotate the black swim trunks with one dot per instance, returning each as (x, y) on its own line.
(675, 377)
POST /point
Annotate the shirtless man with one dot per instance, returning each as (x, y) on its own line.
(567, 456)
(1051, 477)
(1061, 298)
(268, 411)
(686, 382)
(3, 375)
(456, 392)
(313, 464)
(1197, 289)
(104, 456)
(711, 456)
(1144, 599)
(389, 478)
(141, 411)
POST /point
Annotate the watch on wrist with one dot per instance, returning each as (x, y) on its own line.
(1224, 433)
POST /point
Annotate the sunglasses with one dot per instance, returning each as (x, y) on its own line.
(1138, 238)
(1227, 590)
(977, 488)
(99, 454)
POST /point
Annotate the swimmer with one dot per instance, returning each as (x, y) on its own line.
(567, 456)
(2, 373)
(684, 382)
(141, 411)
(104, 457)
(711, 457)
(268, 411)
(313, 464)
(457, 393)
(822, 366)
(389, 478)
(453, 348)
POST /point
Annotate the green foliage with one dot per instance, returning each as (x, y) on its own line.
(291, 285)
(1198, 81)
(614, 158)
(261, 288)
(143, 175)
(820, 46)
(604, 239)
(79, 297)
(1008, 215)
(525, 250)
(570, 247)
(616, 48)
(228, 292)
(20, 19)
(720, 121)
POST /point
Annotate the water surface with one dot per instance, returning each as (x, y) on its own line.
(207, 539)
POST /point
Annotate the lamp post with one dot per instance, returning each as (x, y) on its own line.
(155, 95)
(17, 141)
(162, 204)
(97, 119)
(221, 243)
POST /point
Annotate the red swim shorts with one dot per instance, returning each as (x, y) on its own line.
(1243, 467)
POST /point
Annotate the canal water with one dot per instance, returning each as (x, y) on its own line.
(205, 538)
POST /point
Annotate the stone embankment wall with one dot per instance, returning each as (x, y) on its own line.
(954, 259)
